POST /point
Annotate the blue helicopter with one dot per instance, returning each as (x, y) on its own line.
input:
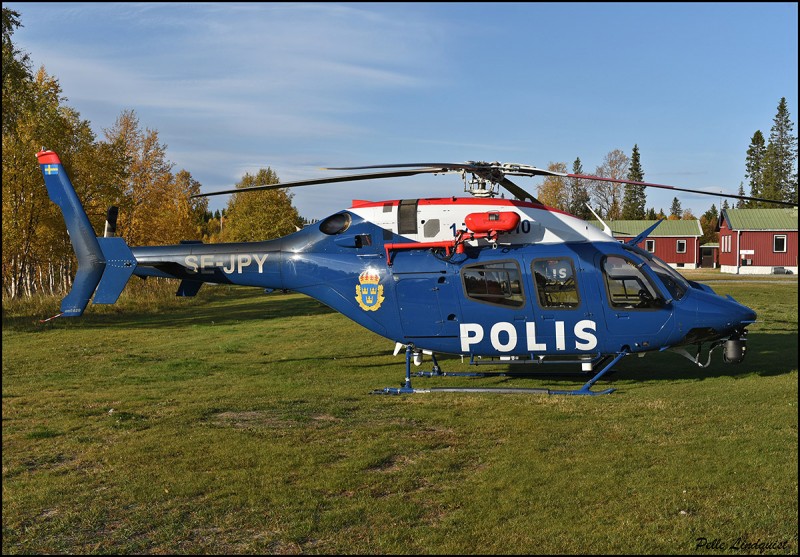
(481, 276)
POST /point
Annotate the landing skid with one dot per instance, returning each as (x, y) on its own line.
(406, 387)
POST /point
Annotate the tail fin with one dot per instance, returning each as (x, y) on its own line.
(104, 264)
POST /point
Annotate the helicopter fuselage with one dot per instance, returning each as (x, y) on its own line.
(408, 270)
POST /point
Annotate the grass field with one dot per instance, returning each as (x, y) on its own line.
(239, 422)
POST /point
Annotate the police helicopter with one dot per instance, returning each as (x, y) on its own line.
(481, 276)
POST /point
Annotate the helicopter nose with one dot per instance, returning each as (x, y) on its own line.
(738, 315)
(739, 312)
(749, 316)
(723, 314)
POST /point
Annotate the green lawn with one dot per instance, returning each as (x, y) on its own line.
(239, 422)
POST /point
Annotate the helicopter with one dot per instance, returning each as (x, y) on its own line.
(489, 278)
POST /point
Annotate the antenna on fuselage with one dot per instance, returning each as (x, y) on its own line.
(606, 228)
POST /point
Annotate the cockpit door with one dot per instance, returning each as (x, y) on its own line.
(635, 311)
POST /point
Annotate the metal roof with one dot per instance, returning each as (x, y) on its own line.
(667, 228)
(761, 219)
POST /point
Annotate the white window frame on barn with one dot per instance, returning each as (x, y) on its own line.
(775, 243)
(678, 246)
(650, 246)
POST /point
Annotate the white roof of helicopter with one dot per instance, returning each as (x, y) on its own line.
(538, 223)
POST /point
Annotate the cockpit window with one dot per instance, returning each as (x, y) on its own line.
(627, 286)
(672, 279)
(494, 283)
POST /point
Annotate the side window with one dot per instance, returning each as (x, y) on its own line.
(779, 243)
(555, 283)
(650, 245)
(494, 283)
(681, 246)
(627, 286)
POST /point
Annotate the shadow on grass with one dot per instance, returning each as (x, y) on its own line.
(768, 355)
(218, 310)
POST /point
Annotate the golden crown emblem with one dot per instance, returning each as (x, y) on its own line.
(369, 277)
(369, 293)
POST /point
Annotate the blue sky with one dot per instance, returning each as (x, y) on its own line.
(232, 87)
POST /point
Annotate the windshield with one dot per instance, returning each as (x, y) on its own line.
(672, 279)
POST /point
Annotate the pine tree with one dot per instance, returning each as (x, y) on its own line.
(17, 75)
(780, 159)
(633, 203)
(675, 211)
(741, 203)
(754, 165)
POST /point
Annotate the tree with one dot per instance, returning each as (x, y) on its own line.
(260, 215)
(553, 192)
(607, 196)
(195, 210)
(675, 211)
(633, 204)
(754, 164)
(17, 75)
(741, 203)
(129, 170)
(708, 223)
(780, 159)
(651, 214)
(155, 204)
(578, 195)
(37, 255)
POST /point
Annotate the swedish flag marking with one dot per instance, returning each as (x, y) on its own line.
(50, 169)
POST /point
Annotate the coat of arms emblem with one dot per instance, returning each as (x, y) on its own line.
(369, 294)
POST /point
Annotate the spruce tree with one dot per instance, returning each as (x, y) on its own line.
(17, 75)
(741, 203)
(780, 159)
(675, 209)
(633, 204)
(754, 165)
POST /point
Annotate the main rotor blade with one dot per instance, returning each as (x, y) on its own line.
(517, 191)
(331, 180)
(675, 188)
(494, 172)
(471, 166)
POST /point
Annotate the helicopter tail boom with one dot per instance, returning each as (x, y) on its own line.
(104, 264)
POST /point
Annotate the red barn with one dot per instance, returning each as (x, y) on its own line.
(758, 241)
(677, 242)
